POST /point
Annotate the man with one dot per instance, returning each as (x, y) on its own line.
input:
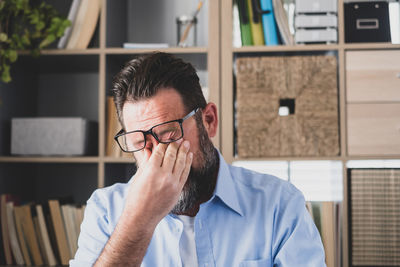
(186, 206)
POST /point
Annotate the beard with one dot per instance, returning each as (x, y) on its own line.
(201, 180)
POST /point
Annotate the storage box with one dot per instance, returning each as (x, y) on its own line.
(316, 36)
(373, 129)
(49, 136)
(303, 86)
(373, 76)
(316, 6)
(367, 22)
(315, 21)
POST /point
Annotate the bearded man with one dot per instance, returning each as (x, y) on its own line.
(185, 206)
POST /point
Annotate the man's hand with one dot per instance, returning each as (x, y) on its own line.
(154, 191)
(158, 183)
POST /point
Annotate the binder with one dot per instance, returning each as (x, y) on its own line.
(245, 28)
(255, 22)
(268, 22)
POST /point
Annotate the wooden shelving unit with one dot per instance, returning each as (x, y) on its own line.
(36, 77)
(90, 72)
(230, 53)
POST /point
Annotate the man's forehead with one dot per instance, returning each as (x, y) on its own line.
(164, 106)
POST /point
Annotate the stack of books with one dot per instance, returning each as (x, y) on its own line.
(261, 22)
(316, 21)
(83, 16)
(39, 234)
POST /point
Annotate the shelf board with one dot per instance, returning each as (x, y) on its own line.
(366, 46)
(316, 47)
(119, 160)
(89, 51)
(288, 158)
(172, 50)
(50, 159)
(285, 48)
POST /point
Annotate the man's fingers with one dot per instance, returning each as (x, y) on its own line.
(186, 170)
(157, 155)
(170, 157)
(180, 162)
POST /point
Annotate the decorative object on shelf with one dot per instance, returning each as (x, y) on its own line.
(303, 86)
(49, 136)
(367, 22)
(184, 24)
(26, 25)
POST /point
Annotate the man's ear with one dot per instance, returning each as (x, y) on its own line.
(210, 119)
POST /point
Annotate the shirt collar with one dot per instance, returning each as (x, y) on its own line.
(225, 188)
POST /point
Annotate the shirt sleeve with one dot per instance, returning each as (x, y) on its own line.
(94, 233)
(297, 241)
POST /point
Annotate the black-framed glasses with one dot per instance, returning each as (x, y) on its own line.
(165, 133)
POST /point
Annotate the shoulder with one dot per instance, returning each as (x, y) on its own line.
(108, 202)
(108, 195)
(252, 181)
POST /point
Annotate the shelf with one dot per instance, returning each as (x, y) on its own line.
(119, 160)
(288, 158)
(285, 48)
(50, 159)
(172, 50)
(314, 47)
(62, 52)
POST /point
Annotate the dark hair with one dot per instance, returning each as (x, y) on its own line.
(143, 77)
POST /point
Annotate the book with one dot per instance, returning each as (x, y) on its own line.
(84, 24)
(245, 28)
(113, 126)
(15, 247)
(145, 45)
(268, 22)
(29, 233)
(59, 230)
(19, 217)
(4, 228)
(68, 214)
(48, 249)
(328, 232)
(255, 22)
(73, 11)
(237, 40)
(282, 22)
(39, 239)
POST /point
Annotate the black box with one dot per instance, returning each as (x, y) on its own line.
(367, 22)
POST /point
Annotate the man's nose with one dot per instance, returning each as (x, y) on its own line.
(151, 142)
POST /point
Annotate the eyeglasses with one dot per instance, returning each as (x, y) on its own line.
(165, 133)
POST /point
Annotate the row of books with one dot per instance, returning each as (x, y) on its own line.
(38, 234)
(83, 16)
(261, 22)
(327, 218)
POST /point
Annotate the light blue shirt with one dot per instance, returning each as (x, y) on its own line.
(252, 219)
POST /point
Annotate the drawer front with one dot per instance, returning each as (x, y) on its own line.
(373, 76)
(373, 129)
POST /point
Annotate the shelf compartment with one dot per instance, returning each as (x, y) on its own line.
(41, 181)
(119, 172)
(125, 20)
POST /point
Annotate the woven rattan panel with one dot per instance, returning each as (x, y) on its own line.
(262, 82)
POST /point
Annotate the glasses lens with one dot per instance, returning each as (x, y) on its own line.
(168, 132)
(132, 141)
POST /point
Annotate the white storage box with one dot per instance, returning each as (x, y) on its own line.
(315, 21)
(316, 36)
(316, 6)
(49, 136)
